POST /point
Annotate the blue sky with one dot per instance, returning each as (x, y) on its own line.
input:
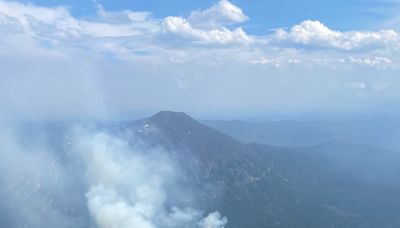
(265, 15)
(222, 59)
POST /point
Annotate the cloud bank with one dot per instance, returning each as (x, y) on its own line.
(117, 62)
(56, 25)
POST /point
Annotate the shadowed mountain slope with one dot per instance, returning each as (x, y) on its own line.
(330, 185)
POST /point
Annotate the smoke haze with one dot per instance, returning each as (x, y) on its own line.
(119, 184)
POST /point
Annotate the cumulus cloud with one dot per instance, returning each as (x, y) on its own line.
(128, 34)
(58, 23)
(315, 34)
(208, 26)
(220, 14)
(183, 28)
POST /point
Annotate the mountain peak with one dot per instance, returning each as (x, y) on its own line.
(181, 129)
(169, 118)
(170, 121)
(170, 115)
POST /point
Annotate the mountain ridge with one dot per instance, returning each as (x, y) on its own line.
(261, 185)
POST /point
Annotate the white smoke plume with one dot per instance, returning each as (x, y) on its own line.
(128, 186)
(110, 184)
(213, 220)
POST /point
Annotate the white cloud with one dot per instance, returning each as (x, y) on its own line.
(220, 14)
(317, 35)
(378, 62)
(183, 28)
(10, 25)
(266, 61)
(208, 26)
(126, 33)
(58, 23)
(22, 12)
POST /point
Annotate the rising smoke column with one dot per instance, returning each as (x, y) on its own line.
(127, 185)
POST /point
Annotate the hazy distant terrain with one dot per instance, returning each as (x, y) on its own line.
(383, 133)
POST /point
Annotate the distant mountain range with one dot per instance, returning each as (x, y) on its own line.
(380, 132)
